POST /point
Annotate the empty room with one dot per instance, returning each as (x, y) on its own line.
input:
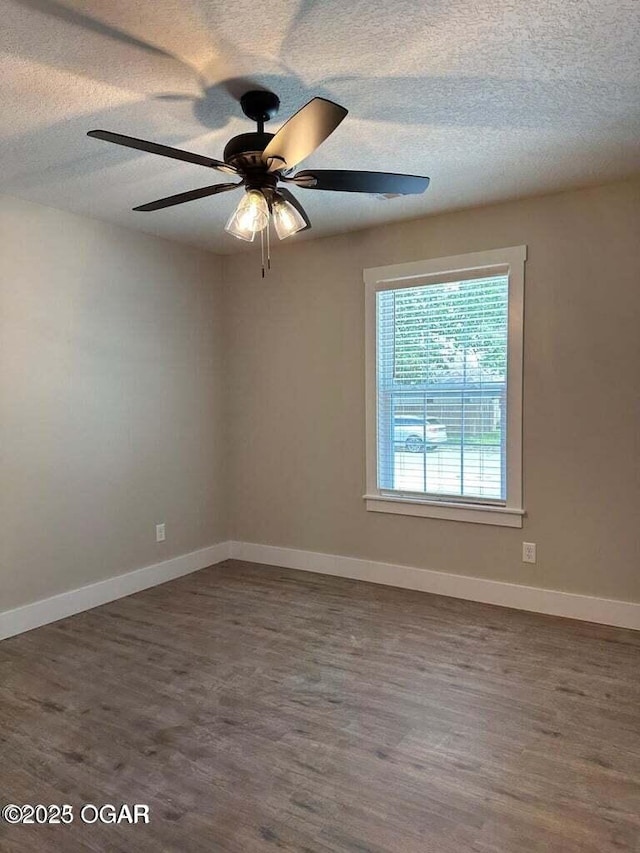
(320, 426)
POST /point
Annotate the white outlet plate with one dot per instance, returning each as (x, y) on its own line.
(160, 533)
(528, 552)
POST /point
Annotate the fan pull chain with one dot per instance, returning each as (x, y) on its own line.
(262, 249)
(268, 247)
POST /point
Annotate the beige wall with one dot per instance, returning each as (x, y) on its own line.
(296, 395)
(143, 381)
(110, 401)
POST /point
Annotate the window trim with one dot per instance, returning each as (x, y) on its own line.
(495, 261)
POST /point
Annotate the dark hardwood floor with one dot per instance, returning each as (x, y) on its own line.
(261, 709)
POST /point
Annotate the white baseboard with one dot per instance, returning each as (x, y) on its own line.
(606, 611)
(85, 597)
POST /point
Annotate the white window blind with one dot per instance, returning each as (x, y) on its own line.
(441, 389)
(444, 353)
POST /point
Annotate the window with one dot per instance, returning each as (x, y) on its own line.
(444, 387)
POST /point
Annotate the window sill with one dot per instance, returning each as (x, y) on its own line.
(476, 514)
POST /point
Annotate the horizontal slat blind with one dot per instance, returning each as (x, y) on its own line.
(441, 389)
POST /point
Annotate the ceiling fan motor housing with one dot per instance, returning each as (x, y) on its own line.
(245, 151)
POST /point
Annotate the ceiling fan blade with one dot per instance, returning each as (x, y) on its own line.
(289, 196)
(191, 195)
(346, 181)
(163, 150)
(303, 133)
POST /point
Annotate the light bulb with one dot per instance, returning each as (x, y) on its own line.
(250, 216)
(286, 218)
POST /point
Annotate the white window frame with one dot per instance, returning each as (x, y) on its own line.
(509, 261)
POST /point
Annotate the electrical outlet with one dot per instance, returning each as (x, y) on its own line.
(528, 552)
(160, 533)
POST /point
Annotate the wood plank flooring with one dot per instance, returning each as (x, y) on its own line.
(258, 709)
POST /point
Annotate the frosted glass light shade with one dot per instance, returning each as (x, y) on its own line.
(286, 218)
(250, 216)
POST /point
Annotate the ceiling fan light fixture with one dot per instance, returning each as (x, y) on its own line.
(286, 219)
(250, 216)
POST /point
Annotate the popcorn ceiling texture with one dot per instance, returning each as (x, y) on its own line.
(493, 100)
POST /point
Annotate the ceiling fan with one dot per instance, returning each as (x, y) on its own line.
(263, 161)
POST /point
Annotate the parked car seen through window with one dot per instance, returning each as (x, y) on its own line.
(416, 435)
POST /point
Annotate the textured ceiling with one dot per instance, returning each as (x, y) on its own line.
(493, 100)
